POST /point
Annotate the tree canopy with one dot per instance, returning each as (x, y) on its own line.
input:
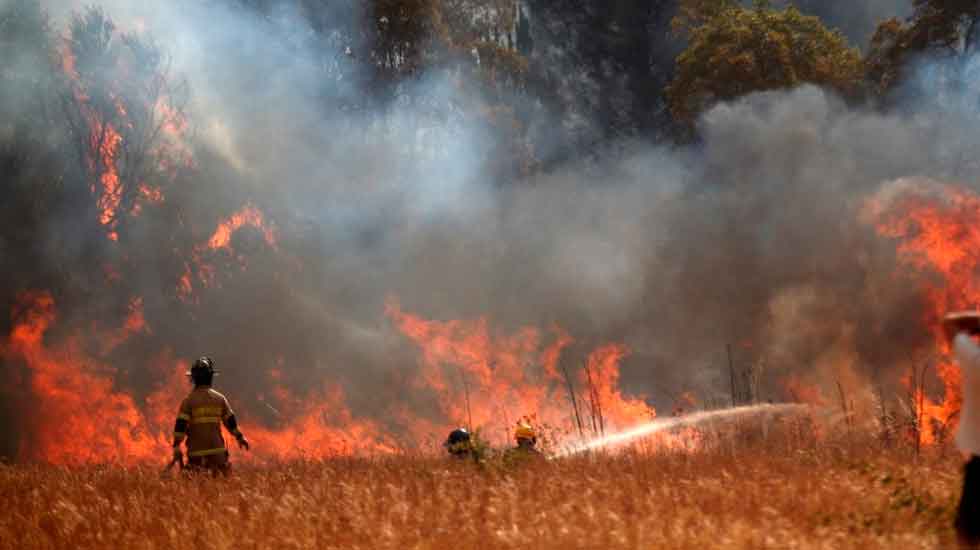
(945, 28)
(735, 50)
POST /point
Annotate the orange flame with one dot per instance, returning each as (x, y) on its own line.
(603, 375)
(317, 426)
(104, 142)
(79, 415)
(220, 239)
(939, 230)
(105, 145)
(489, 380)
(248, 215)
(135, 323)
(803, 392)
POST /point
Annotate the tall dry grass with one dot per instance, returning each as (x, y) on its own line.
(762, 493)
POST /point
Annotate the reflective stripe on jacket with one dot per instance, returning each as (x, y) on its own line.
(204, 410)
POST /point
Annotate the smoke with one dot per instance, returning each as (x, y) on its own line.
(752, 241)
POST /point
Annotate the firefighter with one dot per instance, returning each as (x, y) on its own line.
(961, 330)
(527, 438)
(459, 444)
(199, 420)
(526, 449)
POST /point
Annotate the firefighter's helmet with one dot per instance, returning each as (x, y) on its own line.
(525, 431)
(458, 442)
(459, 435)
(202, 371)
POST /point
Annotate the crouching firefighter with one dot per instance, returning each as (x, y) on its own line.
(526, 449)
(459, 444)
(527, 439)
(199, 421)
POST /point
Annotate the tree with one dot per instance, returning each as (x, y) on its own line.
(692, 14)
(469, 42)
(90, 136)
(943, 28)
(599, 68)
(737, 51)
(475, 21)
(120, 100)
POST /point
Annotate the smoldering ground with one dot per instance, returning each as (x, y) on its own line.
(753, 239)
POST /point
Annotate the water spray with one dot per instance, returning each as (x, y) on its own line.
(693, 419)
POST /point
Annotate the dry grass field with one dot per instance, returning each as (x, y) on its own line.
(825, 495)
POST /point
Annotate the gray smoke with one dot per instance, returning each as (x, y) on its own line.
(752, 240)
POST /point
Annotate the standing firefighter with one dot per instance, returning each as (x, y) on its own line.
(961, 330)
(199, 420)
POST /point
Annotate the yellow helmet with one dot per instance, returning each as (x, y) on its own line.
(524, 431)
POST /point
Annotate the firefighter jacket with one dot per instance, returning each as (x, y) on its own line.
(203, 412)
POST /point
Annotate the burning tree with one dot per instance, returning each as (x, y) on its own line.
(93, 137)
(126, 114)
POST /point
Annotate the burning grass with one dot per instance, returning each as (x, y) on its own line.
(767, 496)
